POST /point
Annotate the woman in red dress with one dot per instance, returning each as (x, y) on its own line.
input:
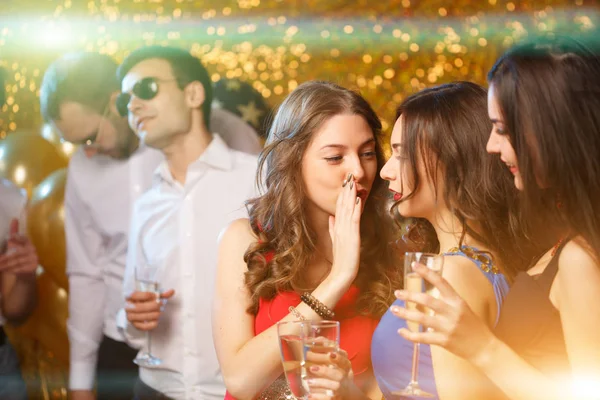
(321, 226)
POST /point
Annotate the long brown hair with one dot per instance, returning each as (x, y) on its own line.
(286, 243)
(447, 127)
(549, 97)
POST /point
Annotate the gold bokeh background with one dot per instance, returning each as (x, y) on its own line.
(385, 49)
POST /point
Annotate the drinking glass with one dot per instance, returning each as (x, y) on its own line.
(146, 281)
(413, 282)
(290, 335)
(319, 338)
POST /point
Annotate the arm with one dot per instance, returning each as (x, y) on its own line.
(578, 301)
(17, 275)
(86, 289)
(455, 377)
(460, 331)
(248, 362)
(577, 288)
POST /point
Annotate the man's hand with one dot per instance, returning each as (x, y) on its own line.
(143, 308)
(82, 395)
(20, 257)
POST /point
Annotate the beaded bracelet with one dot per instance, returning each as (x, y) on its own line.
(321, 309)
(296, 313)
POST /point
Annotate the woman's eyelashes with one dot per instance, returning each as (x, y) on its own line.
(337, 159)
(500, 130)
(334, 159)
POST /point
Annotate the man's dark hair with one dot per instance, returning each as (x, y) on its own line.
(186, 69)
(85, 78)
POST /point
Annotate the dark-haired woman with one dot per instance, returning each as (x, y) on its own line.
(464, 203)
(544, 103)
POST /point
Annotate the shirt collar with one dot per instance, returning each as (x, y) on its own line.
(217, 155)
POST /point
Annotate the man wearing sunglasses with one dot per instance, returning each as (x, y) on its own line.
(106, 175)
(199, 189)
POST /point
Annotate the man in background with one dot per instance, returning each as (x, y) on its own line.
(197, 191)
(18, 264)
(110, 170)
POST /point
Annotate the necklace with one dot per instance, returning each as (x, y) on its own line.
(557, 245)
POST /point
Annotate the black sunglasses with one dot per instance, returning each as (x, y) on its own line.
(144, 89)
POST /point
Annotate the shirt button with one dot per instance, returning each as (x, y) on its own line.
(137, 188)
(188, 234)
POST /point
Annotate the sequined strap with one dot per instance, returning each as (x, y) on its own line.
(483, 259)
(278, 390)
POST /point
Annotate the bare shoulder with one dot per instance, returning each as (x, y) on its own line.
(459, 270)
(577, 258)
(237, 230)
(470, 283)
(236, 237)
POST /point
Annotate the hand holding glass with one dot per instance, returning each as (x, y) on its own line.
(319, 340)
(413, 282)
(292, 356)
(146, 281)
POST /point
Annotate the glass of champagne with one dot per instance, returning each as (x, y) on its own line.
(319, 338)
(413, 282)
(290, 343)
(146, 281)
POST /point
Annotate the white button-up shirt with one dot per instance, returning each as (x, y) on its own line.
(99, 197)
(176, 227)
(12, 206)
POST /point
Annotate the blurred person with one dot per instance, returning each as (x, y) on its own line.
(199, 188)
(18, 264)
(109, 171)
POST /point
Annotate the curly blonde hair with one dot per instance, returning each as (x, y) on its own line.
(286, 242)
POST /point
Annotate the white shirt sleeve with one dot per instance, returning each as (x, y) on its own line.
(134, 337)
(85, 256)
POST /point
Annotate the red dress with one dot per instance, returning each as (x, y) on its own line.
(355, 330)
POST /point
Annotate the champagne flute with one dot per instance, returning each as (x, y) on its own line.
(290, 335)
(413, 282)
(320, 337)
(146, 281)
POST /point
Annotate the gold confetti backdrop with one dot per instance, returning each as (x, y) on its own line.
(386, 49)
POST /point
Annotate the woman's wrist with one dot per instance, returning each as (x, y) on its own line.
(337, 283)
(485, 356)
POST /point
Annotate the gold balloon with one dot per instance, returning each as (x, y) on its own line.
(48, 323)
(50, 134)
(27, 159)
(46, 224)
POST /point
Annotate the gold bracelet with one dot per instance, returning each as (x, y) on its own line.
(321, 309)
(296, 313)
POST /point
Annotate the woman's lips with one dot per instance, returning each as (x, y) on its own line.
(397, 196)
(362, 194)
